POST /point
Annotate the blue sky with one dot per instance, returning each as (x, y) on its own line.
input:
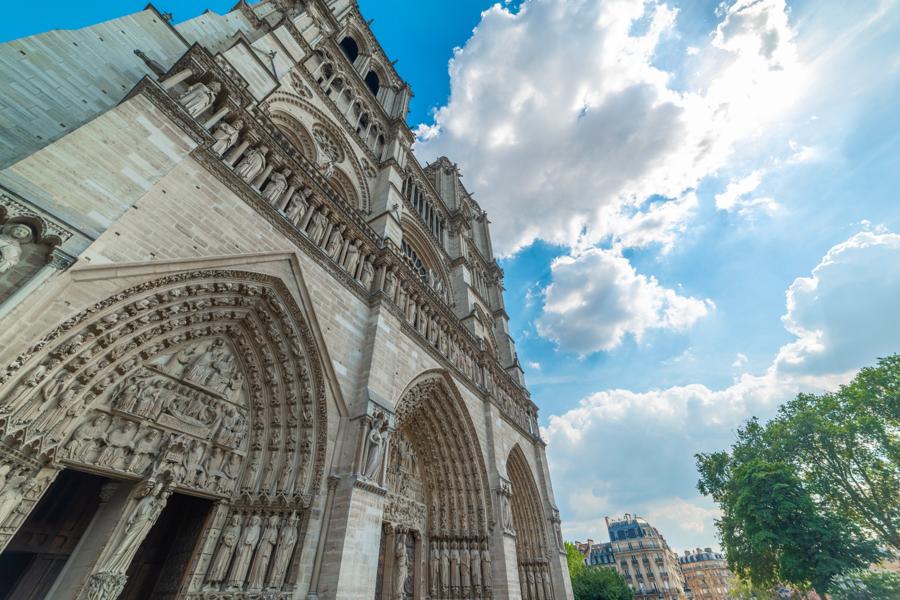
(696, 203)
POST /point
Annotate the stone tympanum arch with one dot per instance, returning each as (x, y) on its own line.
(532, 551)
(207, 383)
(437, 497)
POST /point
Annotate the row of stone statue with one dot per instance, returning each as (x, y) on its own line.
(460, 568)
(534, 580)
(125, 445)
(254, 552)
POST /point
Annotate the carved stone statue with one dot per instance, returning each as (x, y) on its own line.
(264, 551)
(486, 572)
(122, 548)
(435, 569)
(545, 582)
(297, 208)
(402, 566)
(375, 439)
(367, 274)
(226, 136)
(119, 444)
(145, 450)
(445, 569)
(84, 439)
(465, 569)
(276, 186)
(244, 553)
(228, 540)
(475, 561)
(13, 491)
(252, 164)
(351, 259)
(12, 237)
(199, 97)
(454, 567)
(333, 249)
(319, 222)
(287, 539)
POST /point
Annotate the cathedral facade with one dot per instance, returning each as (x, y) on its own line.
(250, 347)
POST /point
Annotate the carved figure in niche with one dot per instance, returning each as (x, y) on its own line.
(532, 589)
(119, 444)
(287, 539)
(351, 260)
(327, 168)
(319, 223)
(231, 470)
(252, 164)
(13, 490)
(226, 136)
(199, 97)
(276, 186)
(465, 569)
(244, 552)
(445, 568)
(486, 572)
(435, 569)
(367, 274)
(505, 512)
(124, 544)
(333, 249)
(260, 565)
(297, 208)
(454, 567)
(12, 238)
(475, 561)
(375, 439)
(233, 427)
(545, 581)
(402, 566)
(145, 450)
(193, 463)
(83, 444)
(149, 404)
(390, 283)
(227, 542)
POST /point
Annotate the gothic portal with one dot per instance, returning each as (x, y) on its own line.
(250, 346)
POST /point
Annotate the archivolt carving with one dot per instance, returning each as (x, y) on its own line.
(209, 376)
(297, 133)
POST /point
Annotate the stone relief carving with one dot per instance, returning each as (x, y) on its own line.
(199, 97)
(504, 497)
(12, 238)
(375, 442)
(226, 136)
(252, 164)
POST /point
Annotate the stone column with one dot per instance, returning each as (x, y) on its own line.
(175, 79)
(216, 117)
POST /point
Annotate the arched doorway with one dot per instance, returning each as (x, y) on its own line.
(532, 551)
(435, 538)
(203, 384)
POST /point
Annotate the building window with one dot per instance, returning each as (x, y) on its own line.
(373, 83)
(350, 48)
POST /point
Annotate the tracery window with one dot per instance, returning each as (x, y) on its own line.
(415, 261)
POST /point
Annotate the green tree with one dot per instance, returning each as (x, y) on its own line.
(846, 446)
(575, 559)
(600, 583)
(866, 585)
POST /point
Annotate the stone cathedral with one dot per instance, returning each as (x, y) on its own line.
(250, 347)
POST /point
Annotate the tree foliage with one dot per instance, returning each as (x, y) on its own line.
(865, 585)
(810, 494)
(575, 559)
(600, 583)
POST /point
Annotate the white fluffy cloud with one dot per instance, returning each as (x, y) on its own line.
(565, 128)
(736, 198)
(840, 317)
(597, 298)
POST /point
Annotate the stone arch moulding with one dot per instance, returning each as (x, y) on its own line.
(209, 380)
(449, 509)
(297, 133)
(289, 103)
(428, 250)
(533, 553)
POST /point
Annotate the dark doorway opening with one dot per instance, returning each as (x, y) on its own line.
(350, 48)
(37, 553)
(161, 563)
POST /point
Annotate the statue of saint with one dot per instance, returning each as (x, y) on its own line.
(12, 237)
(227, 542)
(124, 545)
(252, 164)
(199, 97)
(375, 439)
(276, 186)
(244, 553)
(226, 136)
(402, 562)
(287, 539)
(264, 551)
